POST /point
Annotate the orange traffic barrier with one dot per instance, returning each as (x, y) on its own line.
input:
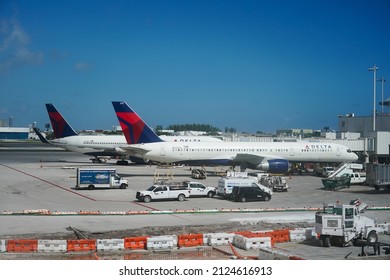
(277, 236)
(135, 243)
(22, 245)
(190, 240)
(281, 235)
(81, 245)
(250, 234)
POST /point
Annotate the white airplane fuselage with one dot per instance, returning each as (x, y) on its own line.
(89, 144)
(227, 152)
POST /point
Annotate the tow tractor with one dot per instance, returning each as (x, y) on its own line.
(342, 225)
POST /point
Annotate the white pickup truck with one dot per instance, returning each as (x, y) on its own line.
(160, 192)
(198, 189)
(358, 178)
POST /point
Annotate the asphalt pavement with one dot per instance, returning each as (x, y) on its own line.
(36, 179)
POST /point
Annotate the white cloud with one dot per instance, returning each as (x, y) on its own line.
(14, 51)
(82, 66)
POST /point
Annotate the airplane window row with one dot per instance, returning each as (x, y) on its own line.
(177, 149)
(103, 143)
(311, 150)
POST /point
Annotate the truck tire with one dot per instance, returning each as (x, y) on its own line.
(325, 241)
(210, 194)
(91, 187)
(123, 186)
(181, 197)
(372, 237)
(147, 198)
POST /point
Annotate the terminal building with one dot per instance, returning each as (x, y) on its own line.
(376, 141)
(14, 133)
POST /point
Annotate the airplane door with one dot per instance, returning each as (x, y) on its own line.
(162, 151)
(338, 152)
(292, 152)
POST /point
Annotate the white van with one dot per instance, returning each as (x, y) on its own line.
(226, 184)
(327, 170)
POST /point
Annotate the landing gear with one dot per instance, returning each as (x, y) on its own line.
(122, 162)
(98, 160)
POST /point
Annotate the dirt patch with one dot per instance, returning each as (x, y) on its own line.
(74, 233)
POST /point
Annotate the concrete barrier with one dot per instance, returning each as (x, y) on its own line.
(49, 246)
(110, 244)
(163, 242)
(300, 234)
(248, 243)
(215, 239)
(3, 247)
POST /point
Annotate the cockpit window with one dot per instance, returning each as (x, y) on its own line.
(349, 151)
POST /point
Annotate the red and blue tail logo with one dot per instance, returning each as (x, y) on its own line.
(133, 127)
(60, 126)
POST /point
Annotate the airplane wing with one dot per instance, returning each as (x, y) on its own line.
(249, 159)
(132, 150)
(265, 162)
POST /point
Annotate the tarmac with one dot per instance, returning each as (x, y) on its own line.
(37, 179)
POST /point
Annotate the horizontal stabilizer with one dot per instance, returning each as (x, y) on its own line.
(40, 136)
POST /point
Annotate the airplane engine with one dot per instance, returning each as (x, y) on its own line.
(278, 166)
(138, 160)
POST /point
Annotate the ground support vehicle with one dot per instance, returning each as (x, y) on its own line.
(327, 170)
(342, 225)
(378, 175)
(358, 178)
(347, 168)
(336, 183)
(198, 189)
(164, 192)
(250, 193)
(226, 184)
(323, 171)
(92, 178)
(276, 183)
(198, 174)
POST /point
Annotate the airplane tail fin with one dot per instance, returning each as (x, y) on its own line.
(60, 126)
(134, 128)
(40, 136)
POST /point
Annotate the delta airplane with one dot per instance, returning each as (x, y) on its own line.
(274, 157)
(98, 146)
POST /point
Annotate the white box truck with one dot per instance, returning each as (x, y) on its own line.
(92, 178)
(226, 184)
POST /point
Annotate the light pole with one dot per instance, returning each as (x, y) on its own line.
(382, 80)
(374, 113)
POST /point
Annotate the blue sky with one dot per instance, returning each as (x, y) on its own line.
(251, 65)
